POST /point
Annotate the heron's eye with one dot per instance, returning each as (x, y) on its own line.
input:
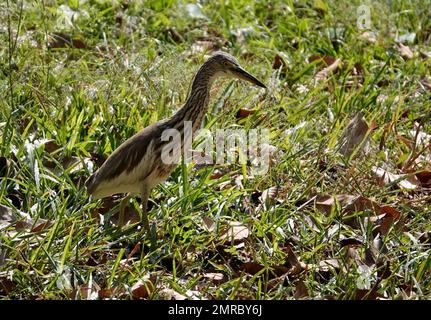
(226, 64)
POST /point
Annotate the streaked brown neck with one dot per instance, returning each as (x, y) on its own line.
(197, 103)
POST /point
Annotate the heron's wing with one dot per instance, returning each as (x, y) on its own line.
(128, 156)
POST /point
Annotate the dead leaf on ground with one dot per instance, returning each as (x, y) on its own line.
(143, 288)
(208, 224)
(406, 182)
(42, 224)
(405, 51)
(86, 292)
(51, 146)
(215, 277)
(364, 294)
(351, 242)
(424, 177)
(355, 136)
(172, 294)
(6, 286)
(327, 60)
(387, 217)
(292, 262)
(63, 40)
(236, 232)
(4, 164)
(244, 113)
(251, 267)
(301, 290)
(108, 293)
(325, 73)
(174, 35)
(279, 63)
(348, 203)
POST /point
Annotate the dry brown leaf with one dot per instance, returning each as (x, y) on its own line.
(279, 62)
(143, 288)
(388, 216)
(424, 177)
(63, 40)
(236, 232)
(300, 289)
(405, 51)
(324, 74)
(292, 262)
(348, 203)
(4, 164)
(51, 146)
(251, 267)
(172, 294)
(215, 277)
(327, 60)
(136, 249)
(328, 264)
(354, 136)
(42, 225)
(244, 113)
(174, 35)
(208, 224)
(404, 181)
(269, 194)
(6, 286)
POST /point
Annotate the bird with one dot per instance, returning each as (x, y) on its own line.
(136, 166)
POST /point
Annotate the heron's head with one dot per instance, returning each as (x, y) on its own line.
(223, 63)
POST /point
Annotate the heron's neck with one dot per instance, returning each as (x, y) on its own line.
(197, 103)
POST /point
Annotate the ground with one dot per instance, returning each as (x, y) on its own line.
(343, 211)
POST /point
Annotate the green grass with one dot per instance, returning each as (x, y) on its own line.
(131, 73)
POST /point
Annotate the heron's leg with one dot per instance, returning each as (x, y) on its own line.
(151, 235)
(123, 205)
(145, 193)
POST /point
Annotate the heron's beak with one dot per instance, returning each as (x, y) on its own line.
(244, 75)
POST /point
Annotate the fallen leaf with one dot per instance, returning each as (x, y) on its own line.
(327, 60)
(208, 224)
(172, 294)
(236, 232)
(324, 74)
(6, 286)
(174, 35)
(42, 225)
(279, 63)
(143, 288)
(269, 194)
(51, 146)
(3, 166)
(348, 203)
(424, 177)
(244, 113)
(406, 182)
(292, 262)
(215, 277)
(364, 294)
(300, 289)
(63, 40)
(405, 51)
(354, 136)
(251, 267)
(388, 216)
(350, 242)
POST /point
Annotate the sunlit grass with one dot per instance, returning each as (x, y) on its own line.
(87, 101)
